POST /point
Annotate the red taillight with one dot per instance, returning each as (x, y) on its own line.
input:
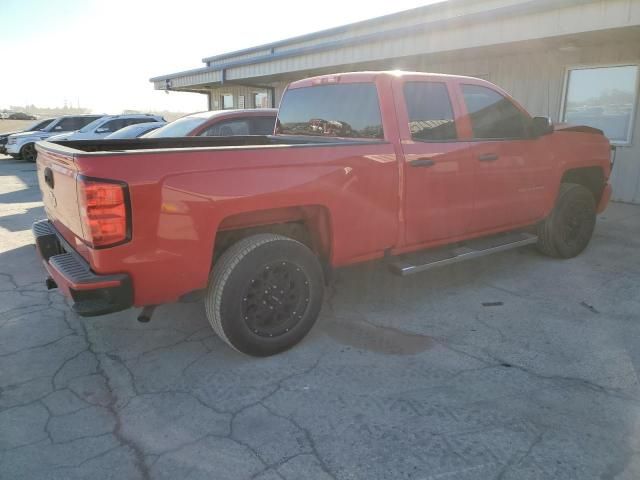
(103, 211)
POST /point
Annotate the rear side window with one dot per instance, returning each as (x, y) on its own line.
(492, 115)
(133, 121)
(350, 110)
(430, 114)
(263, 125)
(238, 126)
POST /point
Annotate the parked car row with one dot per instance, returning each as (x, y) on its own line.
(95, 127)
(17, 116)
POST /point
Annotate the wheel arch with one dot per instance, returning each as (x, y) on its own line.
(309, 224)
(592, 178)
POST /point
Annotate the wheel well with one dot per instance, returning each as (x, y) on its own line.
(308, 225)
(590, 177)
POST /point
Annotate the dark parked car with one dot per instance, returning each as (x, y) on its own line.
(22, 116)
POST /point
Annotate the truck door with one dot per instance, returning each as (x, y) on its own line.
(438, 170)
(510, 166)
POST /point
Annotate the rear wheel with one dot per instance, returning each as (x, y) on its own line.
(28, 152)
(264, 294)
(566, 232)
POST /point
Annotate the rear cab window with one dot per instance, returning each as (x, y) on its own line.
(349, 110)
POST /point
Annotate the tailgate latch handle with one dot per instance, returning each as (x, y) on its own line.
(48, 177)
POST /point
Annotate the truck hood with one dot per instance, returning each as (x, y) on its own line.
(60, 136)
(35, 133)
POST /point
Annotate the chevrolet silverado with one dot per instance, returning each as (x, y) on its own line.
(419, 169)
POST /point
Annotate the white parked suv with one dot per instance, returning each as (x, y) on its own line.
(23, 144)
(106, 125)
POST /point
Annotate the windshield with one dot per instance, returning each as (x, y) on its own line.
(180, 128)
(133, 131)
(40, 125)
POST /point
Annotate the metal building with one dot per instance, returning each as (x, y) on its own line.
(573, 60)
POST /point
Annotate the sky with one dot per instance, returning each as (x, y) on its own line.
(101, 54)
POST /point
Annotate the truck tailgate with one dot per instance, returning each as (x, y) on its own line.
(57, 174)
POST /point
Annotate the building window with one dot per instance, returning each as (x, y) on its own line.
(227, 101)
(261, 100)
(604, 98)
(241, 101)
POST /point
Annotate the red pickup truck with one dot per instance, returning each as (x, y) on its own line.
(421, 169)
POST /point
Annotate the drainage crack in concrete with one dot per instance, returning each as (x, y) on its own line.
(513, 461)
(314, 449)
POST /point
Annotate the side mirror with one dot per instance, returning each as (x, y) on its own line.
(541, 126)
(102, 130)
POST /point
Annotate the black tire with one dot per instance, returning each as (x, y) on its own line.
(264, 295)
(566, 232)
(28, 152)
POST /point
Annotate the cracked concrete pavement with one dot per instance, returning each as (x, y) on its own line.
(401, 378)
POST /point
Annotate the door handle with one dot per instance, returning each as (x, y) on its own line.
(48, 177)
(488, 157)
(422, 162)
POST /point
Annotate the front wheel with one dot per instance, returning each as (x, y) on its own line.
(28, 152)
(566, 232)
(264, 294)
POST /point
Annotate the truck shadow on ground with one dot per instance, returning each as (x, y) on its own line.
(24, 186)
(21, 221)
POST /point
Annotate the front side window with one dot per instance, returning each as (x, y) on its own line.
(603, 97)
(350, 110)
(263, 125)
(430, 113)
(492, 115)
